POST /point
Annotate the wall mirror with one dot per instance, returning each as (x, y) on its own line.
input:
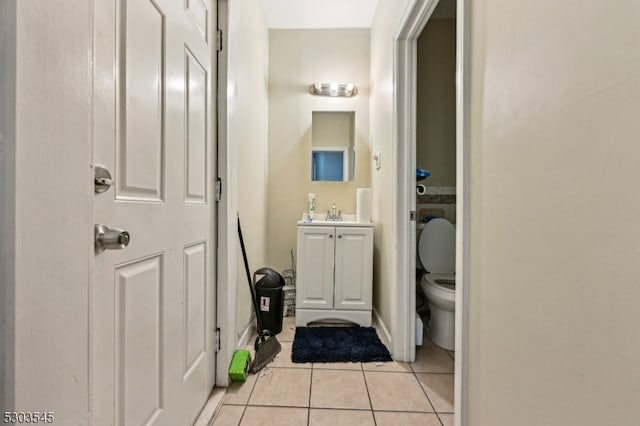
(332, 145)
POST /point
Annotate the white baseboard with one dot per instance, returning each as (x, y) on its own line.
(246, 334)
(211, 407)
(383, 331)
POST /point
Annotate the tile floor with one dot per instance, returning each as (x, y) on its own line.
(353, 394)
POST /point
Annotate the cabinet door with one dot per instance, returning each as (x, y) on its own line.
(314, 287)
(354, 268)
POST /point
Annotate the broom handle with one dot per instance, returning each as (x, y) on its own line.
(251, 289)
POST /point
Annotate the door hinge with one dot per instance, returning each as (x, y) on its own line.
(218, 190)
(413, 216)
(217, 348)
(218, 40)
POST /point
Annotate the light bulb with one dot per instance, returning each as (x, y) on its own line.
(350, 87)
(333, 87)
(318, 86)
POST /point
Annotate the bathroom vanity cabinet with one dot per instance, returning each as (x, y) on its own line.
(334, 272)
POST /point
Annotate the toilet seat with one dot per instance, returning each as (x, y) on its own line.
(445, 282)
(437, 247)
(441, 296)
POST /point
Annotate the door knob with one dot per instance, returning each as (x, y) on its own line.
(110, 239)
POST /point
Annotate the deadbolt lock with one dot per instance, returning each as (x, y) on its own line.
(102, 179)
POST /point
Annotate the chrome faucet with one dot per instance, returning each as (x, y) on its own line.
(332, 215)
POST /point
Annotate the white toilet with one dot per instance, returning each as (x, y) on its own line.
(437, 253)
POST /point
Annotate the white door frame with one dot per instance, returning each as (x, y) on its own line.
(405, 65)
(227, 208)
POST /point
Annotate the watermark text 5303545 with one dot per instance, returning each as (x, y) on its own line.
(28, 417)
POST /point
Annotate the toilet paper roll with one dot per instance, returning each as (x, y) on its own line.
(421, 189)
(363, 205)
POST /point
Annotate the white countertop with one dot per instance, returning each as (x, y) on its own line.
(320, 219)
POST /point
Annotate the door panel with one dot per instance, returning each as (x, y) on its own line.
(153, 310)
(138, 344)
(195, 294)
(200, 15)
(354, 268)
(196, 119)
(315, 267)
(140, 173)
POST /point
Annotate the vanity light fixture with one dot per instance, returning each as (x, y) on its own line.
(344, 90)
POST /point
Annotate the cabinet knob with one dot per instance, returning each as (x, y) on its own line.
(339, 236)
(330, 236)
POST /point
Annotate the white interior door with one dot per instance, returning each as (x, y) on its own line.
(153, 302)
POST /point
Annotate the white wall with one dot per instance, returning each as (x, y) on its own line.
(555, 240)
(46, 134)
(385, 24)
(299, 58)
(247, 132)
(436, 102)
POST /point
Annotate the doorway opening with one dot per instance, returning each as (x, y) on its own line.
(436, 159)
(406, 69)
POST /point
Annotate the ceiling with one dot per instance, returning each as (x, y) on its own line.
(297, 14)
(308, 14)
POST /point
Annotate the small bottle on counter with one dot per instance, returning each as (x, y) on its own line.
(312, 205)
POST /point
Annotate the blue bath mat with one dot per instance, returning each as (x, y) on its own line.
(338, 344)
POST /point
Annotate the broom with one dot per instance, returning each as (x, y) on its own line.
(266, 345)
